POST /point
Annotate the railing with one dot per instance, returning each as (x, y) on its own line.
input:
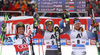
(85, 12)
(78, 13)
(12, 12)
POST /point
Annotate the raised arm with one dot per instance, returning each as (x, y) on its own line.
(65, 29)
(36, 23)
(61, 25)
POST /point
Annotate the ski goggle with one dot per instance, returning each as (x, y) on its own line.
(48, 23)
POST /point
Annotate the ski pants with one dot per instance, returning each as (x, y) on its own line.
(51, 52)
(78, 53)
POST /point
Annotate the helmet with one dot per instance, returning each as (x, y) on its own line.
(20, 25)
(76, 20)
(49, 21)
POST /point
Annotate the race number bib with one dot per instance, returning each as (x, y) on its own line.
(51, 44)
(78, 43)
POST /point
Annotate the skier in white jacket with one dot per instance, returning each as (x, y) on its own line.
(78, 37)
(20, 40)
(49, 34)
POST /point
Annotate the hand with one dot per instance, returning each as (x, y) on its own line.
(4, 25)
(36, 17)
(36, 24)
(96, 25)
(65, 15)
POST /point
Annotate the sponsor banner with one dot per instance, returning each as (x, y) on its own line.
(90, 28)
(89, 24)
(63, 41)
(11, 27)
(92, 42)
(38, 41)
(87, 41)
(68, 42)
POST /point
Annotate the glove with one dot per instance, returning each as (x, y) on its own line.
(97, 25)
(36, 17)
(65, 16)
(4, 25)
(36, 24)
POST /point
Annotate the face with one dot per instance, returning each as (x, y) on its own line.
(21, 2)
(30, 13)
(77, 26)
(33, 7)
(21, 30)
(64, 12)
(6, 2)
(50, 27)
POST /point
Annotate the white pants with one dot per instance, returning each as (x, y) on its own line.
(78, 52)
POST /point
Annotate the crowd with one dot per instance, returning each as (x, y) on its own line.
(26, 7)
(93, 5)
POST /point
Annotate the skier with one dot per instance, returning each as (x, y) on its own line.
(78, 37)
(20, 40)
(49, 35)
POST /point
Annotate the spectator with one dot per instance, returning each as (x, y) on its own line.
(8, 6)
(90, 8)
(93, 3)
(30, 13)
(30, 8)
(14, 2)
(33, 8)
(26, 1)
(1, 6)
(97, 7)
(95, 14)
(98, 12)
(21, 7)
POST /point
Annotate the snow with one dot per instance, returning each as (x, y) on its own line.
(66, 50)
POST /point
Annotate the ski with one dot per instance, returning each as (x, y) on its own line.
(96, 29)
(32, 34)
(35, 16)
(3, 26)
(31, 44)
(57, 34)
